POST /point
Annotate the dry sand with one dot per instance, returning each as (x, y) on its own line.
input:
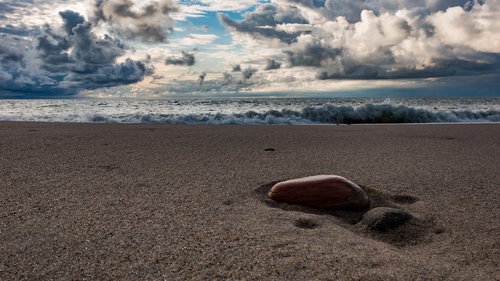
(152, 202)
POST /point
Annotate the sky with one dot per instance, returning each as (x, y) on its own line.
(202, 48)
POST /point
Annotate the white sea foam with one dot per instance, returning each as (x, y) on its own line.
(254, 111)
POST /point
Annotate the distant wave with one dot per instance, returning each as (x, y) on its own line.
(326, 114)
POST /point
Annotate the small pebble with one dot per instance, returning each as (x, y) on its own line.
(383, 219)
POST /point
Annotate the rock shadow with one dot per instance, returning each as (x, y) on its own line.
(386, 219)
(404, 199)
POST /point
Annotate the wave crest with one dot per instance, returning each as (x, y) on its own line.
(326, 114)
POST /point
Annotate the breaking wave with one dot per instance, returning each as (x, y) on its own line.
(326, 114)
(254, 111)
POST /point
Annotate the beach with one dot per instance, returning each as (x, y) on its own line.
(180, 202)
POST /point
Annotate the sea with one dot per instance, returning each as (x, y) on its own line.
(255, 111)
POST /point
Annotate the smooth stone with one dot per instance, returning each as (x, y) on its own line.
(383, 218)
(321, 192)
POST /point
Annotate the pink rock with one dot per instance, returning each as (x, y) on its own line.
(322, 192)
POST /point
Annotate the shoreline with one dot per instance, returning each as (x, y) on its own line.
(154, 201)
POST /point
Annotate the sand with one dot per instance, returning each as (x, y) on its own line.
(153, 202)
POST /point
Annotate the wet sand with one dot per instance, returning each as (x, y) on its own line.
(153, 202)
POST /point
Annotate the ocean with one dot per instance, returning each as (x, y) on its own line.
(254, 111)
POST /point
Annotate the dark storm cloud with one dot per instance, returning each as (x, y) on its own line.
(353, 70)
(71, 20)
(263, 21)
(257, 31)
(187, 59)
(64, 61)
(150, 23)
(79, 48)
(17, 74)
(91, 50)
(313, 54)
(272, 64)
(109, 75)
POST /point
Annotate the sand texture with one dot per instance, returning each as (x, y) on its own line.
(152, 202)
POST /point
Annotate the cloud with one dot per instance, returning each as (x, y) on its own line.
(320, 11)
(71, 20)
(477, 27)
(32, 14)
(127, 72)
(196, 39)
(248, 72)
(64, 61)
(9, 54)
(217, 5)
(7, 7)
(219, 84)
(272, 64)
(379, 39)
(200, 8)
(272, 15)
(18, 73)
(201, 78)
(311, 51)
(19, 31)
(227, 77)
(187, 59)
(262, 23)
(148, 21)
(236, 68)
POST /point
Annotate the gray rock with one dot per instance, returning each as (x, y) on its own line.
(383, 219)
